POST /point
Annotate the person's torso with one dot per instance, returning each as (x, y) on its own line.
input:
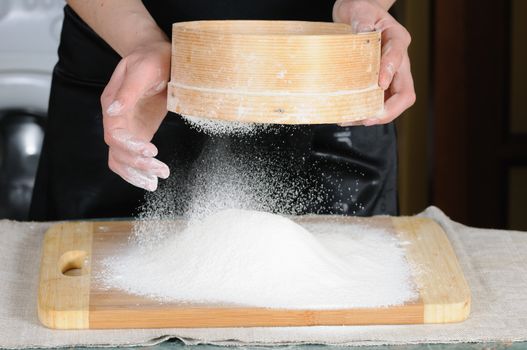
(166, 12)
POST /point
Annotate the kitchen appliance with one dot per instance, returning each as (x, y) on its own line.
(29, 33)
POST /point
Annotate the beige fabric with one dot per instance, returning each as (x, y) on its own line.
(494, 262)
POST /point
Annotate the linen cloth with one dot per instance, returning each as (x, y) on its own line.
(494, 263)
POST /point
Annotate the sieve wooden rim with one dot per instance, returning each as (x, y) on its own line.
(267, 28)
(287, 72)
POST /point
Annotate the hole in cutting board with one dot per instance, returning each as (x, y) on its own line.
(73, 263)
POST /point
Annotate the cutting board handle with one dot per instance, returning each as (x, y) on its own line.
(65, 270)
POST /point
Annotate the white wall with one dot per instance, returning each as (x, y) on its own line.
(29, 37)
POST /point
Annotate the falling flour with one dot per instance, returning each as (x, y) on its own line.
(217, 127)
(254, 258)
(232, 248)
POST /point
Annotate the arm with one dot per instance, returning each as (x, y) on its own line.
(386, 4)
(134, 100)
(395, 76)
(123, 24)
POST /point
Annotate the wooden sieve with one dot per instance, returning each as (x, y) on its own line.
(283, 72)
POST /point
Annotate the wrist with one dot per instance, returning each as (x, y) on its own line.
(386, 4)
(150, 45)
(342, 8)
(143, 35)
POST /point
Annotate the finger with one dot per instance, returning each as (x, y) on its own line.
(363, 17)
(401, 98)
(149, 166)
(116, 80)
(108, 104)
(122, 139)
(395, 42)
(351, 123)
(133, 176)
(362, 23)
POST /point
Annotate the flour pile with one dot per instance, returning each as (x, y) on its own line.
(252, 258)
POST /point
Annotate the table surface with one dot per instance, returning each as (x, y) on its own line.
(178, 345)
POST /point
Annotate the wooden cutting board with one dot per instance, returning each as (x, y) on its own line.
(70, 298)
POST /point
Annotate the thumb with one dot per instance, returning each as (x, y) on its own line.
(116, 80)
(363, 17)
(362, 23)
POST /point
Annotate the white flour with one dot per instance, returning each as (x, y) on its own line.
(222, 179)
(234, 251)
(224, 127)
(260, 259)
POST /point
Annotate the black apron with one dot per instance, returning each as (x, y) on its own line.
(355, 167)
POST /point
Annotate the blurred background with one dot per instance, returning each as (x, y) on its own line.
(29, 36)
(462, 146)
